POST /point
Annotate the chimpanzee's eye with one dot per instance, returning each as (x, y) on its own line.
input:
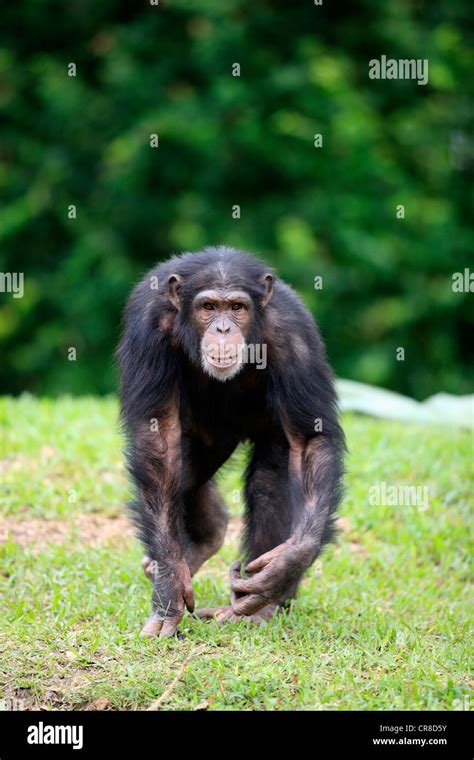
(208, 306)
(237, 306)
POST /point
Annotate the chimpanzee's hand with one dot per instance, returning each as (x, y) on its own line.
(271, 575)
(172, 591)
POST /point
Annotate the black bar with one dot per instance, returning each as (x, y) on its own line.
(348, 734)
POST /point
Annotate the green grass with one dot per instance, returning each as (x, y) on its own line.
(381, 622)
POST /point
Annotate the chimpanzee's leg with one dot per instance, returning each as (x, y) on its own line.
(271, 511)
(205, 523)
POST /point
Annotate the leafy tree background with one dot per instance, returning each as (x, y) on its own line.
(225, 140)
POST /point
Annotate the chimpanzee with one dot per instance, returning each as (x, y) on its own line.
(217, 350)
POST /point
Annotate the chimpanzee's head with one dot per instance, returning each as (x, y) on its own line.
(220, 305)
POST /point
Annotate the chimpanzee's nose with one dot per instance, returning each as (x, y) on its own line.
(223, 326)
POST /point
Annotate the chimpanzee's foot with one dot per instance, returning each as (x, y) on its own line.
(226, 614)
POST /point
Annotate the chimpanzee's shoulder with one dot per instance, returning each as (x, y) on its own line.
(291, 331)
(290, 305)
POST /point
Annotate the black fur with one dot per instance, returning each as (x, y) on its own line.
(159, 359)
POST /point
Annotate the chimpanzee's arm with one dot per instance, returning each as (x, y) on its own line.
(308, 411)
(155, 466)
(316, 492)
(316, 470)
(149, 391)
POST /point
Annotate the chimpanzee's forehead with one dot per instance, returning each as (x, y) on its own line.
(221, 294)
(222, 278)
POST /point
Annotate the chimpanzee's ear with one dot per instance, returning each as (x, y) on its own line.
(174, 287)
(268, 287)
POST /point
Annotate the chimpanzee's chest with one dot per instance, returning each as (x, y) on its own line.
(223, 412)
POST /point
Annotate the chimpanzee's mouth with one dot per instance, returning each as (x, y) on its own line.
(220, 361)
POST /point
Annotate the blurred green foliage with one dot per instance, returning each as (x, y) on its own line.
(247, 140)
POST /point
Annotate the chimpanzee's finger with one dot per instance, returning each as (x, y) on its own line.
(234, 572)
(236, 581)
(259, 562)
(245, 585)
(257, 583)
(152, 626)
(234, 578)
(249, 604)
(188, 596)
(233, 596)
(170, 626)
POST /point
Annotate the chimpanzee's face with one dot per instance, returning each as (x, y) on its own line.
(217, 320)
(223, 319)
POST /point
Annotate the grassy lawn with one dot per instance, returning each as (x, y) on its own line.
(381, 621)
